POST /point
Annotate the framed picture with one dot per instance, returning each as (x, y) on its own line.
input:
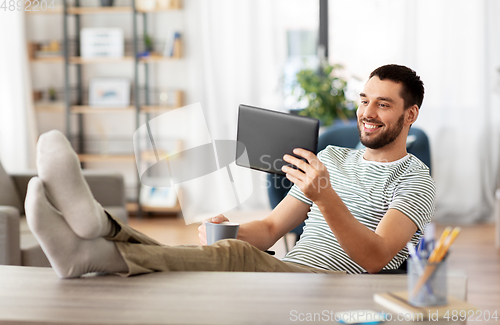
(159, 197)
(101, 42)
(109, 92)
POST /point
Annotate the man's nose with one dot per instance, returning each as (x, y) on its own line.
(370, 111)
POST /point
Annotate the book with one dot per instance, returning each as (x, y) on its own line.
(173, 46)
(398, 302)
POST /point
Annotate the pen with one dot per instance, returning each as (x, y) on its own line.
(430, 234)
(421, 249)
(415, 259)
(437, 255)
(417, 264)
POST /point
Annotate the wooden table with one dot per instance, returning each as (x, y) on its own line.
(36, 296)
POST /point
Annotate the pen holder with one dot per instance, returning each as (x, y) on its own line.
(427, 283)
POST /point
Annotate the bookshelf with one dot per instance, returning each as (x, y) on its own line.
(72, 104)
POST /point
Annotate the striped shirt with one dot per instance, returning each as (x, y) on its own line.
(368, 189)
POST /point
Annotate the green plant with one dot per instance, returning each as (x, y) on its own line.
(148, 43)
(325, 93)
(52, 94)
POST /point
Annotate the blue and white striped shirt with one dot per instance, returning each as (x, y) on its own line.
(368, 189)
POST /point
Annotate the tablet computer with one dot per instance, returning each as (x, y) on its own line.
(268, 135)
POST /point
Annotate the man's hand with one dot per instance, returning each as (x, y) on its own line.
(314, 181)
(202, 230)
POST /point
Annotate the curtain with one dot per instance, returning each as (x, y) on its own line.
(17, 121)
(231, 54)
(453, 45)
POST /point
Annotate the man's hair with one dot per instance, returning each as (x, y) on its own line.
(413, 88)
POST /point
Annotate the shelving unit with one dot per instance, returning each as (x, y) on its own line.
(75, 103)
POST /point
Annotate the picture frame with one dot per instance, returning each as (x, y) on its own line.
(109, 92)
(101, 42)
(158, 197)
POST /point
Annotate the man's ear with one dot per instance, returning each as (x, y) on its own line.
(411, 115)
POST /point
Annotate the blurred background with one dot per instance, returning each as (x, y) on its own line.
(98, 72)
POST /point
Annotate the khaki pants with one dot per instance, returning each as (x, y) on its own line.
(145, 255)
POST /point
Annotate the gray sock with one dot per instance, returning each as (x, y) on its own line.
(59, 169)
(69, 255)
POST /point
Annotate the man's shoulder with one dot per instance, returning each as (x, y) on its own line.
(415, 165)
(417, 174)
(417, 162)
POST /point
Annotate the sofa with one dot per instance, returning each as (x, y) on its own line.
(17, 245)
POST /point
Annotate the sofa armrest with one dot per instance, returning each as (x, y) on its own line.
(108, 189)
(10, 252)
(21, 181)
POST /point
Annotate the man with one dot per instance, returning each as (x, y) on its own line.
(362, 206)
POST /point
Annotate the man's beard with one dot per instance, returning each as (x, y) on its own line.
(384, 138)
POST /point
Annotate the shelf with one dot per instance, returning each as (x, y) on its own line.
(155, 109)
(98, 109)
(132, 207)
(56, 59)
(112, 10)
(175, 209)
(150, 59)
(98, 10)
(49, 107)
(81, 109)
(79, 60)
(149, 11)
(105, 158)
(57, 10)
(156, 57)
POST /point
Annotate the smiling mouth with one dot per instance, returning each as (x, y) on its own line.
(371, 127)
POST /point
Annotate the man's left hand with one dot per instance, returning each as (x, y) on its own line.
(313, 179)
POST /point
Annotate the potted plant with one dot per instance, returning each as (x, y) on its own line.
(148, 46)
(148, 43)
(325, 93)
(52, 94)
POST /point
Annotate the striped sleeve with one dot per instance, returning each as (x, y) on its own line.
(414, 196)
(297, 193)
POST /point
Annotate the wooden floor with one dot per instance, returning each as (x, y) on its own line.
(473, 253)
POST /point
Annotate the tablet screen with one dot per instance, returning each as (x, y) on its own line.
(269, 135)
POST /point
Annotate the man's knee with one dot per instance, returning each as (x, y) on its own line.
(230, 242)
(235, 246)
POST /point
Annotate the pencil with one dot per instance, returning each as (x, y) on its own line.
(448, 243)
(439, 245)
